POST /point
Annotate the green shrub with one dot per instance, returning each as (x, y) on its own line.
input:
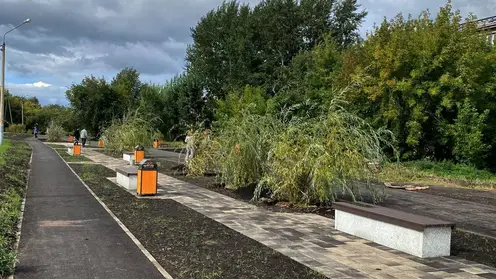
(130, 131)
(239, 149)
(315, 160)
(301, 160)
(55, 133)
(16, 128)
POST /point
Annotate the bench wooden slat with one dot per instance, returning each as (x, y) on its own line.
(392, 216)
(127, 171)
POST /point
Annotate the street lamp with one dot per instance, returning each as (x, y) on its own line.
(2, 88)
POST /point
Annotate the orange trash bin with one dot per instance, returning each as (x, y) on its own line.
(100, 143)
(139, 154)
(147, 179)
(76, 149)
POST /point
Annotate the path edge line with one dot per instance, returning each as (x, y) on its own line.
(21, 216)
(123, 227)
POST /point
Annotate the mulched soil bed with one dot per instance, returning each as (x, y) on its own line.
(186, 243)
(474, 247)
(69, 158)
(466, 245)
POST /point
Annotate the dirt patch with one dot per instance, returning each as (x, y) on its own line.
(474, 247)
(186, 243)
(467, 245)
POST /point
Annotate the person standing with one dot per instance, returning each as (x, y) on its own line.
(190, 147)
(76, 135)
(35, 130)
(84, 135)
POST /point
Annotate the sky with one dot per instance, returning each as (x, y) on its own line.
(67, 40)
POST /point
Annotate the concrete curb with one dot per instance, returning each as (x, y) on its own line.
(126, 230)
(21, 216)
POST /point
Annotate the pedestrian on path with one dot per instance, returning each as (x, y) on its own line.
(84, 135)
(190, 147)
(35, 130)
(77, 134)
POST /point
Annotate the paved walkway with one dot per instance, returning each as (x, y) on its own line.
(66, 233)
(308, 238)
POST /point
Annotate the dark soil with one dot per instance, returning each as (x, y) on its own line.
(487, 197)
(186, 243)
(474, 247)
(466, 245)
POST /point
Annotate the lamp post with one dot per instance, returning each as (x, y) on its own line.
(2, 88)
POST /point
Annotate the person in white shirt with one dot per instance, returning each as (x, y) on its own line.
(190, 149)
(84, 135)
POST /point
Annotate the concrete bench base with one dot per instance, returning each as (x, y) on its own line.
(127, 177)
(413, 234)
(128, 157)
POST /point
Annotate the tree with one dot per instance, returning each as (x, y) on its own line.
(94, 103)
(411, 75)
(127, 85)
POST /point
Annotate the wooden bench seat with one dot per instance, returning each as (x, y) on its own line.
(127, 177)
(414, 234)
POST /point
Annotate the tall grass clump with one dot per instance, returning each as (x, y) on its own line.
(238, 149)
(130, 131)
(55, 132)
(316, 160)
(16, 129)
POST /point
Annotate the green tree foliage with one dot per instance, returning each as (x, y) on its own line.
(95, 103)
(179, 104)
(127, 85)
(235, 45)
(411, 75)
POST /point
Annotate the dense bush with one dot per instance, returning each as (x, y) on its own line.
(315, 160)
(132, 130)
(16, 128)
(307, 160)
(55, 133)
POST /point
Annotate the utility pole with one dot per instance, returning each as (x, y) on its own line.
(2, 88)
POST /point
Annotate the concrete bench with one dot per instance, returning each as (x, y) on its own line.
(128, 157)
(413, 234)
(127, 177)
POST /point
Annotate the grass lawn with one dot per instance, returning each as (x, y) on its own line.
(5, 145)
(438, 173)
(12, 189)
(52, 145)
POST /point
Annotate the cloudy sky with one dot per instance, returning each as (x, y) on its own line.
(68, 39)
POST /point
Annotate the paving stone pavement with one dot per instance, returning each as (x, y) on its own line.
(308, 238)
